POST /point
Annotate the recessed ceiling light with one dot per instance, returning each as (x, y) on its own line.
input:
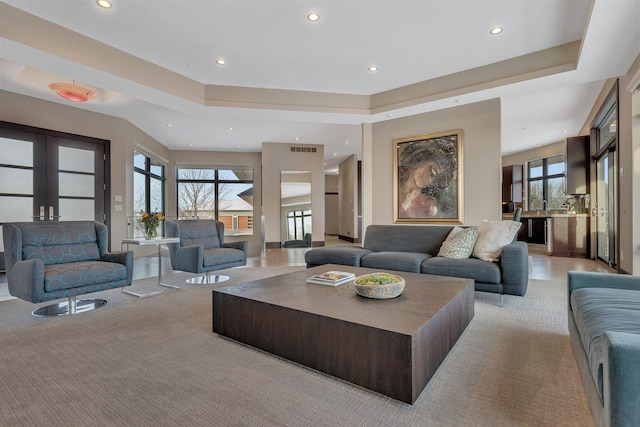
(313, 17)
(104, 3)
(373, 69)
(346, 142)
(230, 128)
(457, 101)
(237, 145)
(565, 131)
(389, 115)
(221, 61)
(190, 144)
(169, 125)
(335, 154)
(496, 30)
(538, 145)
(297, 139)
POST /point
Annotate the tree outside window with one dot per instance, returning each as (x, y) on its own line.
(222, 194)
(546, 182)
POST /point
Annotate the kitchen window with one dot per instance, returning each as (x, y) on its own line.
(546, 182)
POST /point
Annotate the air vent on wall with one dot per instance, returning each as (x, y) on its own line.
(303, 149)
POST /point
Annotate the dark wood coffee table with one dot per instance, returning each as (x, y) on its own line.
(392, 346)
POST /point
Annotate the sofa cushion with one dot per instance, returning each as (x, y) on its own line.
(199, 233)
(459, 243)
(336, 254)
(63, 243)
(492, 237)
(400, 261)
(406, 238)
(470, 268)
(218, 256)
(78, 274)
(600, 310)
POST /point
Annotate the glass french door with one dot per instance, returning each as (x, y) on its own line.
(604, 209)
(47, 176)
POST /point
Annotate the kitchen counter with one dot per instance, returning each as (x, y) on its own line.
(542, 214)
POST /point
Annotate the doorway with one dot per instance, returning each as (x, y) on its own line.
(51, 176)
(604, 209)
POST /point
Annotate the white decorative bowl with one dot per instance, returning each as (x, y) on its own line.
(379, 291)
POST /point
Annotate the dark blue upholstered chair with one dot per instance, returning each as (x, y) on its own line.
(48, 260)
(202, 248)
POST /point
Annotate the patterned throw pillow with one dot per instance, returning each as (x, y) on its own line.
(492, 237)
(459, 243)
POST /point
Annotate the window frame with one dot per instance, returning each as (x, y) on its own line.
(148, 175)
(216, 182)
(545, 178)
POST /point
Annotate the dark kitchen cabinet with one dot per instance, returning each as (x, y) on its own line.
(533, 230)
(512, 184)
(577, 157)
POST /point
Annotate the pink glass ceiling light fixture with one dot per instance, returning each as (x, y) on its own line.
(73, 92)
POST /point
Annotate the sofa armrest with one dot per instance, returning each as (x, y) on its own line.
(514, 268)
(590, 279)
(124, 258)
(189, 258)
(621, 378)
(27, 280)
(242, 245)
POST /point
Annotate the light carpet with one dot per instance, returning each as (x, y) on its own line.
(155, 362)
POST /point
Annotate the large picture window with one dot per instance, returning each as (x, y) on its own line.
(222, 194)
(546, 183)
(148, 184)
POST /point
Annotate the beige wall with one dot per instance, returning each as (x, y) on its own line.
(277, 157)
(331, 218)
(348, 198)
(629, 143)
(480, 124)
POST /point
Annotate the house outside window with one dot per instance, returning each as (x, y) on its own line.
(222, 194)
(546, 182)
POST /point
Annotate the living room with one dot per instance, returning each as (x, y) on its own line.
(482, 121)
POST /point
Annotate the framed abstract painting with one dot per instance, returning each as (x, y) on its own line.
(427, 178)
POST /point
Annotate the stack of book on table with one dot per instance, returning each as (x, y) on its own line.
(331, 278)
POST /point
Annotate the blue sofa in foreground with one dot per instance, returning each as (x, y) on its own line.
(604, 326)
(48, 260)
(415, 248)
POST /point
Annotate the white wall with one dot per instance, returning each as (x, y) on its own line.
(482, 172)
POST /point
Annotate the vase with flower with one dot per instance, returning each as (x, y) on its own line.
(151, 221)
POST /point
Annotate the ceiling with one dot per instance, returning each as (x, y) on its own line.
(290, 80)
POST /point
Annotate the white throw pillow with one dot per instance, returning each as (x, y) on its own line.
(459, 243)
(492, 237)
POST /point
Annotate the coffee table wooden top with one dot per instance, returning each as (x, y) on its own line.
(423, 296)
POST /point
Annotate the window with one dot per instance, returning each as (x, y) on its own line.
(148, 184)
(298, 224)
(546, 182)
(222, 194)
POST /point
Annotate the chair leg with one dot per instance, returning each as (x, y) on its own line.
(69, 307)
(208, 279)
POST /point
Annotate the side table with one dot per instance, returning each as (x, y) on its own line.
(158, 241)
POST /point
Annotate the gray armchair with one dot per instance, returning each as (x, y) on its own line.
(48, 260)
(202, 248)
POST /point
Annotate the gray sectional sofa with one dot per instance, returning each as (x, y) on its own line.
(604, 326)
(414, 248)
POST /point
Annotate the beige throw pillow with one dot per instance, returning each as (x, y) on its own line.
(492, 237)
(459, 243)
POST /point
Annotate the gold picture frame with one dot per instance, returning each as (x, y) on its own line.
(427, 178)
